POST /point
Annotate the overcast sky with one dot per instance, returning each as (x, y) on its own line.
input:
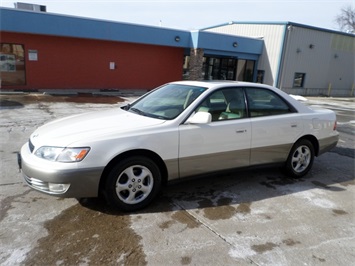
(197, 14)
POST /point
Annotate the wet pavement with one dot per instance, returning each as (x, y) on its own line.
(345, 111)
(20, 100)
(248, 217)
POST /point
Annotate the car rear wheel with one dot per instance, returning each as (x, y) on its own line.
(300, 159)
(133, 183)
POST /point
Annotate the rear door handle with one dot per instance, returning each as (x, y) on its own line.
(241, 131)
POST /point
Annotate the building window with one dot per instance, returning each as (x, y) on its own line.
(12, 64)
(298, 81)
(245, 70)
(186, 68)
(260, 76)
(219, 68)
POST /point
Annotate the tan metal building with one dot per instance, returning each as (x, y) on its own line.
(301, 59)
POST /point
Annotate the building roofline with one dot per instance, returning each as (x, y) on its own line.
(286, 23)
(32, 22)
(92, 19)
(50, 24)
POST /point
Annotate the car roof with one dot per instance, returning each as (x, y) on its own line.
(221, 83)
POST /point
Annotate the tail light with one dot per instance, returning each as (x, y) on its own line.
(335, 125)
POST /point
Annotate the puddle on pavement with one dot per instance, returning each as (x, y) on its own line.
(339, 212)
(181, 217)
(264, 247)
(244, 208)
(89, 98)
(184, 218)
(220, 212)
(268, 246)
(273, 182)
(19, 101)
(86, 236)
(290, 242)
(186, 260)
(5, 103)
(346, 183)
(325, 186)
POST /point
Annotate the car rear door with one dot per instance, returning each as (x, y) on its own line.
(222, 144)
(275, 126)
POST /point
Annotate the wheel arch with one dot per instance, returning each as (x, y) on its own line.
(138, 152)
(314, 142)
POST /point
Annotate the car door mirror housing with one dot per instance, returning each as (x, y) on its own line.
(200, 118)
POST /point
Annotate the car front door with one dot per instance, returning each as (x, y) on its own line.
(221, 144)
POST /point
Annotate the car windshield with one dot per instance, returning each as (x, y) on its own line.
(166, 102)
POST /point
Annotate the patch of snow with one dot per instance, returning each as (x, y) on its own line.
(299, 98)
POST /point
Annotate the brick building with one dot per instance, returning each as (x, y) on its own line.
(41, 51)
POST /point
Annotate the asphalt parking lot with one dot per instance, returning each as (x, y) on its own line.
(248, 217)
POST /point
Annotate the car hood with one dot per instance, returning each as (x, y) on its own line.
(89, 126)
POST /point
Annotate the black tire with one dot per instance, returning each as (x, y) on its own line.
(300, 159)
(133, 183)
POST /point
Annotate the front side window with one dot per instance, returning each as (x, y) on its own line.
(225, 104)
(263, 102)
(298, 81)
(166, 102)
(12, 64)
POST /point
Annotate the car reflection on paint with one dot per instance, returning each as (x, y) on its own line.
(178, 130)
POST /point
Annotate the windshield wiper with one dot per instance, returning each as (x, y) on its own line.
(138, 111)
(127, 107)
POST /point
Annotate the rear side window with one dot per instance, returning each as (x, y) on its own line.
(263, 102)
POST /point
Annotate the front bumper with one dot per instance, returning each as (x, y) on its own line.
(66, 180)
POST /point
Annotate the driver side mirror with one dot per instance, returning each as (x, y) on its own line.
(200, 118)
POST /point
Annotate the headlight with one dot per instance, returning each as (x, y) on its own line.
(60, 154)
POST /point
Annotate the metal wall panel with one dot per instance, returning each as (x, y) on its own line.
(327, 59)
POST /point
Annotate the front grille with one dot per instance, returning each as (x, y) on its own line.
(31, 146)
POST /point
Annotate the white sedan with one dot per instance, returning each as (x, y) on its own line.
(180, 129)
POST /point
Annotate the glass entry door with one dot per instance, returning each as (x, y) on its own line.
(219, 68)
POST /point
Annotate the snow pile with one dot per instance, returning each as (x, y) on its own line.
(298, 98)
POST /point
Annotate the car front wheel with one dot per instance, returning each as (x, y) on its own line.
(133, 183)
(300, 159)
